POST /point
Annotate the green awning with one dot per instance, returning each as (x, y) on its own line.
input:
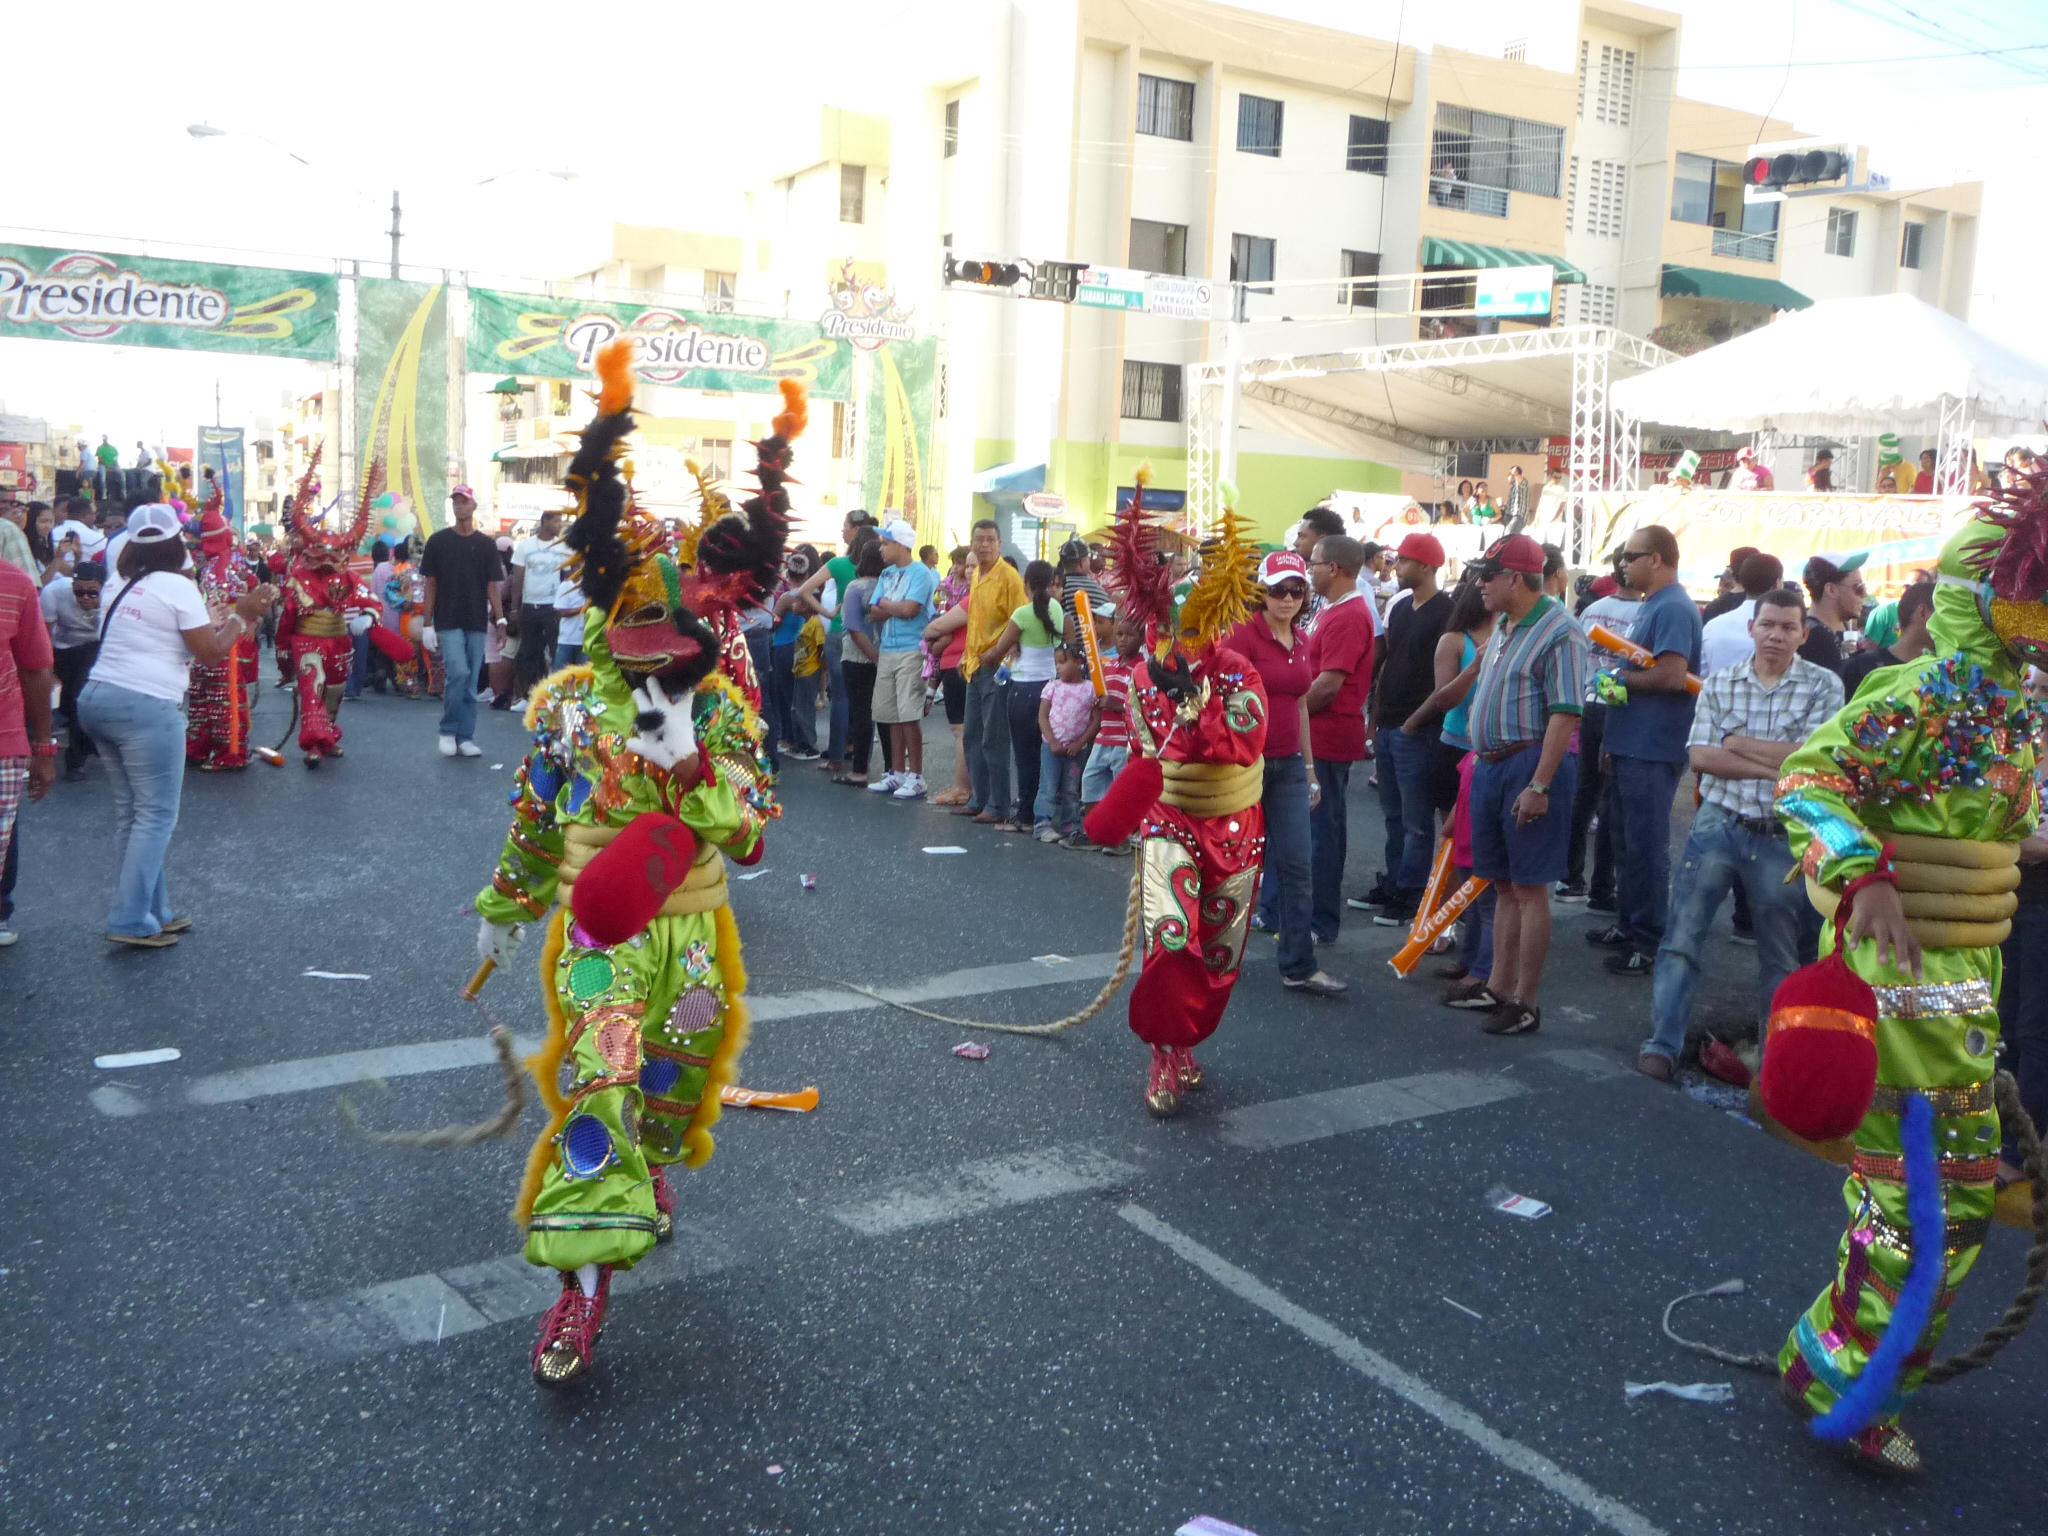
(1438, 252)
(1706, 283)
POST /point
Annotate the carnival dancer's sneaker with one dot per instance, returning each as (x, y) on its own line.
(569, 1331)
(1162, 1086)
(1191, 1077)
(664, 1205)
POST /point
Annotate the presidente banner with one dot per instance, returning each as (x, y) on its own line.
(402, 393)
(142, 301)
(547, 338)
(1901, 535)
(220, 449)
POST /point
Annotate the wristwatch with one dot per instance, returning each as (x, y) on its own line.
(1541, 789)
(43, 748)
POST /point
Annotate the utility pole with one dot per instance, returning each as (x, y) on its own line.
(394, 233)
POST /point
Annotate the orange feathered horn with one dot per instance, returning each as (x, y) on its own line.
(796, 410)
(615, 377)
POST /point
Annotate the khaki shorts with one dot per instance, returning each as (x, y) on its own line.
(899, 688)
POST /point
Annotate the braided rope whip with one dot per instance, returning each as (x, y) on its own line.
(2001, 1333)
(1132, 909)
(445, 1136)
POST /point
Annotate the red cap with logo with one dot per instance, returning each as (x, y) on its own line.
(1516, 552)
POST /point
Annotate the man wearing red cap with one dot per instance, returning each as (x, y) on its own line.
(1524, 707)
(217, 704)
(1405, 678)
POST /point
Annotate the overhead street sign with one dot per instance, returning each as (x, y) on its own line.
(1177, 298)
(1513, 292)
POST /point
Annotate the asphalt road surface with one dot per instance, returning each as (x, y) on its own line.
(961, 1296)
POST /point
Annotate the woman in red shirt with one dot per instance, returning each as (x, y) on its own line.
(1272, 640)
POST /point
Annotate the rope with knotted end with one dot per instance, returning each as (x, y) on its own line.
(457, 1135)
(1132, 908)
(2001, 1333)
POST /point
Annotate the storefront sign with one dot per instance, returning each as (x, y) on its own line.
(1512, 292)
(140, 301)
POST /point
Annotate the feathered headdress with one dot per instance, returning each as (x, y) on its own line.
(2017, 566)
(604, 552)
(738, 557)
(1225, 591)
(1141, 578)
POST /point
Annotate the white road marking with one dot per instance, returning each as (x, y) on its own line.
(1284, 1122)
(138, 1058)
(1454, 1416)
(984, 1185)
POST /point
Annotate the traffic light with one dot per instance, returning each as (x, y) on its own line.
(1795, 170)
(989, 274)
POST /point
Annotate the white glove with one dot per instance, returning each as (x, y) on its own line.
(359, 624)
(430, 641)
(497, 942)
(665, 732)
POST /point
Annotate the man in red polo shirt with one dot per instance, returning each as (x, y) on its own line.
(1340, 655)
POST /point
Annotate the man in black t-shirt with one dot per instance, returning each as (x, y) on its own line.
(1406, 677)
(464, 574)
(1836, 592)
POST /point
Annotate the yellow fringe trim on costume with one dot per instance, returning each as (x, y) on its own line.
(698, 1144)
(544, 695)
(545, 1067)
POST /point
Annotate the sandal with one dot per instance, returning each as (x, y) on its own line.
(847, 778)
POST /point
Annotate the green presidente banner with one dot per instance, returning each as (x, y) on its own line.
(559, 339)
(141, 301)
(402, 391)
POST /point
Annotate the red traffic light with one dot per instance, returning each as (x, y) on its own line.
(1757, 171)
(992, 274)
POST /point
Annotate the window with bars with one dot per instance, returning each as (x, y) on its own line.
(1157, 247)
(1166, 108)
(1151, 391)
(1606, 189)
(952, 129)
(1251, 260)
(1841, 232)
(1510, 154)
(1366, 149)
(853, 194)
(1258, 125)
(1615, 86)
(1360, 295)
(1911, 238)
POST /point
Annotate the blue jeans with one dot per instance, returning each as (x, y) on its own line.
(1059, 789)
(1026, 746)
(1286, 881)
(1641, 799)
(2023, 1014)
(759, 644)
(782, 690)
(567, 655)
(1329, 833)
(358, 665)
(1408, 760)
(1722, 853)
(1475, 932)
(835, 680)
(142, 739)
(986, 740)
(462, 659)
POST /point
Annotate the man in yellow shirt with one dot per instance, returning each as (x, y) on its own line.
(995, 591)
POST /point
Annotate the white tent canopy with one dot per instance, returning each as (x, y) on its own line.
(1848, 368)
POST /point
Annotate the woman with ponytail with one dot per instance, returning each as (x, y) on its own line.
(1031, 634)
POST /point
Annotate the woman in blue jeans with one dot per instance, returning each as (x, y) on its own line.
(153, 624)
(1031, 634)
(1273, 642)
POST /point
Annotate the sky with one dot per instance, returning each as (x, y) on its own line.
(651, 111)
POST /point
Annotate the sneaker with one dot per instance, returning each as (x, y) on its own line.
(1632, 963)
(1046, 832)
(1570, 890)
(1609, 938)
(462, 749)
(1321, 984)
(1472, 996)
(1399, 914)
(1079, 841)
(7, 934)
(446, 746)
(912, 787)
(1162, 1084)
(570, 1330)
(1514, 1019)
(1380, 894)
(1598, 903)
(1744, 936)
(798, 754)
(1657, 1065)
(487, 695)
(1122, 850)
(887, 784)
(664, 1205)
(1259, 925)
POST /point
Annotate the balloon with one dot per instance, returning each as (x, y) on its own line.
(406, 524)
(383, 501)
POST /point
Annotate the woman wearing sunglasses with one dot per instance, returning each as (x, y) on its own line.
(1274, 641)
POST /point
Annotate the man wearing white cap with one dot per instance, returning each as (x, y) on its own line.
(902, 600)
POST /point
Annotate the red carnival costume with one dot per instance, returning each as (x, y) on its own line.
(325, 603)
(1193, 788)
(217, 726)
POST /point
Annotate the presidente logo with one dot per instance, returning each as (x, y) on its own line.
(865, 314)
(667, 344)
(92, 298)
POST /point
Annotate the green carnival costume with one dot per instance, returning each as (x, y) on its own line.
(1927, 774)
(645, 772)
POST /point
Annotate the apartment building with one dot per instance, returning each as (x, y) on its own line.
(1318, 169)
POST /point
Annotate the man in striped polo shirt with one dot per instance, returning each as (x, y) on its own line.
(1523, 710)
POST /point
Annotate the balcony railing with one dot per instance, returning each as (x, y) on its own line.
(1733, 242)
(1445, 192)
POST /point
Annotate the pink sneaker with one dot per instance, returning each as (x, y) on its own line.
(569, 1331)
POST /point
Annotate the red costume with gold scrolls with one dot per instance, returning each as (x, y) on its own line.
(1193, 789)
(321, 596)
(217, 726)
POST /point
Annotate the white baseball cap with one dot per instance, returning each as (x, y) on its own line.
(154, 523)
(899, 531)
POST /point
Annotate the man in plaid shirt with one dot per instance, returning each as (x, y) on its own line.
(1750, 717)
